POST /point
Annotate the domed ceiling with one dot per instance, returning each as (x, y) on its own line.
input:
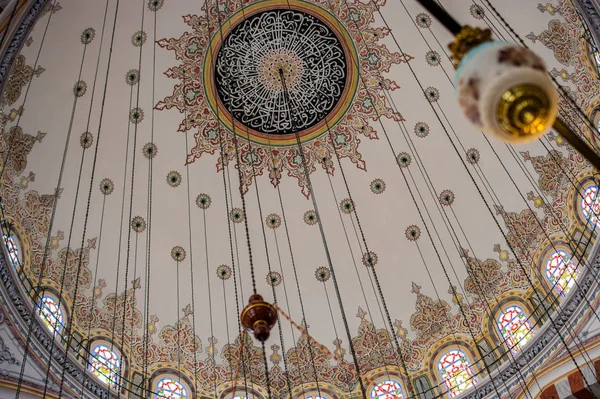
(143, 123)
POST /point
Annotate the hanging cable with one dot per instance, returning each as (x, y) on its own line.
(320, 223)
(241, 335)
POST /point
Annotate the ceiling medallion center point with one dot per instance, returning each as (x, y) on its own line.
(278, 62)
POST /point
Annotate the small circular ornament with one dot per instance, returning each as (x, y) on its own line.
(132, 77)
(178, 254)
(370, 259)
(377, 186)
(422, 129)
(432, 94)
(433, 58)
(413, 233)
(274, 279)
(88, 35)
(446, 197)
(138, 224)
(423, 20)
(203, 201)
(155, 5)
(150, 150)
(86, 140)
(504, 90)
(136, 115)
(273, 221)
(347, 206)
(80, 88)
(224, 272)
(174, 178)
(477, 12)
(310, 218)
(322, 274)
(236, 215)
(473, 156)
(138, 38)
(107, 186)
(403, 159)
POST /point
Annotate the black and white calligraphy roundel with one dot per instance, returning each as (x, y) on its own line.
(280, 71)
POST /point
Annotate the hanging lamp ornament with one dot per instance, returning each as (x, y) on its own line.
(503, 88)
(259, 317)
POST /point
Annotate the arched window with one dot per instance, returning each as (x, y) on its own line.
(590, 206)
(561, 271)
(456, 372)
(105, 364)
(388, 389)
(515, 327)
(596, 114)
(49, 309)
(12, 247)
(170, 388)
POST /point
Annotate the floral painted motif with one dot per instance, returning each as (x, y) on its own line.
(370, 259)
(310, 218)
(322, 274)
(174, 178)
(178, 254)
(88, 35)
(377, 186)
(224, 272)
(203, 201)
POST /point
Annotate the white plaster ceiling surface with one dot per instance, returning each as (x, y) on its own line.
(408, 271)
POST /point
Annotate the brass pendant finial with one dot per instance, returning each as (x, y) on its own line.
(466, 40)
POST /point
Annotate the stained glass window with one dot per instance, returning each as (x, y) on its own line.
(388, 389)
(515, 327)
(590, 205)
(170, 389)
(456, 372)
(105, 364)
(561, 271)
(50, 311)
(12, 247)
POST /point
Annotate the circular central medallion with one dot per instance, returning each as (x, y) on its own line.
(281, 69)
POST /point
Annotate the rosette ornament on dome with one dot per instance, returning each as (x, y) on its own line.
(230, 90)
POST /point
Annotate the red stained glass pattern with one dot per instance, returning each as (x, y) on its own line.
(388, 389)
(51, 314)
(456, 372)
(561, 271)
(169, 388)
(105, 364)
(515, 328)
(590, 205)
(13, 250)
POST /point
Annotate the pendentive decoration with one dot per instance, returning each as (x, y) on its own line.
(259, 317)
